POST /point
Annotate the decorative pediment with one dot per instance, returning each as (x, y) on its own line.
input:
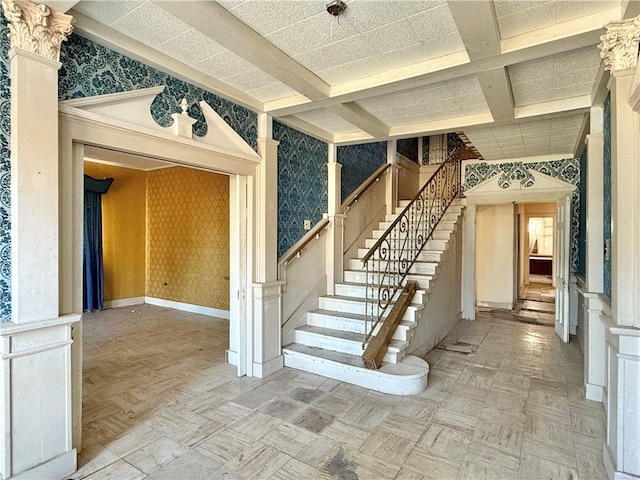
(520, 184)
(134, 109)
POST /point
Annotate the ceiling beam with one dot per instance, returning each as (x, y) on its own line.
(496, 88)
(110, 38)
(213, 20)
(62, 6)
(559, 38)
(358, 116)
(478, 27)
(578, 104)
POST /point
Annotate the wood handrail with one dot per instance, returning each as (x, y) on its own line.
(301, 245)
(354, 196)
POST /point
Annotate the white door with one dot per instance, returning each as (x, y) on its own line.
(562, 269)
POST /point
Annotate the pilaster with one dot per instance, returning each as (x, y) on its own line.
(619, 49)
(36, 440)
(335, 235)
(594, 206)
(267, 290)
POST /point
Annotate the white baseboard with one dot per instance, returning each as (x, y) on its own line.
(61, 466)
(187, 307)
(262, 370)
(231, 357)
(609, 466)
(124, 302)
(594, 392)
(497, 305)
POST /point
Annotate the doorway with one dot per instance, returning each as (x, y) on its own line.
(124, 125)
(536, 239)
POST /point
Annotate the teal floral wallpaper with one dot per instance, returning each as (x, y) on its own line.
(5, 174)
(358, 162)
(606, 165)
(567, 170)
(302, 183)
(90, 69)
(582, 225)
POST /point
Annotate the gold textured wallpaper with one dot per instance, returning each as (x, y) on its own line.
(188, 236)
(123, 230)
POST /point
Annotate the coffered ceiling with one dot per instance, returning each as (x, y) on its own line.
(517, 77)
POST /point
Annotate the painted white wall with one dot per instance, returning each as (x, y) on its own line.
(363, 216)
(408, 178)
(304, 282)
(495, 265)
(442, 310)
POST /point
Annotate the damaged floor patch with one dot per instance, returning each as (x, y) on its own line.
(341, 468)
(460, 347)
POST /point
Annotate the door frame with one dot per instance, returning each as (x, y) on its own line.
(78, 128)
(554, 256)
(490, 193)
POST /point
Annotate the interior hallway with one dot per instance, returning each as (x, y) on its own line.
(537, 303)
(160, 403)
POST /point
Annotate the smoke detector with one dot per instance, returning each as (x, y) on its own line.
(336, 7)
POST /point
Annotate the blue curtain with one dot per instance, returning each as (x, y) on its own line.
(93, 272)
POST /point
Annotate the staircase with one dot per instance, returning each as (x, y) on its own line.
(330, 344)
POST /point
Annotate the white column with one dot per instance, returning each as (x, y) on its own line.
(35, 401)
(619, 49)
(595, 208)
(335, 238)
(620, 52)
(592, 301)
(267, 289)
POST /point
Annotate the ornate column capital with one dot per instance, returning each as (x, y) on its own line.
(619, 45)
(36, 28)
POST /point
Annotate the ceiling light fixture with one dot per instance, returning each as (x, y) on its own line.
(336, 7)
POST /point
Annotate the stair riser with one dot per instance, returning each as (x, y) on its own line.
(341, 345)
(422, 268)
(403, 332)
(346, 290)
(396, 385)
(436, 235)
(425, 256)
(452, 210)
(447, 217)
(435, 245)
(443, 226)
(339, 305)
(354, 276)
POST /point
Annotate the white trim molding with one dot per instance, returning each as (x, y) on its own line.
(188, 307)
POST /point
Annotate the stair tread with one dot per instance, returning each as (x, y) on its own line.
(421, 291)
(352, 316)
(339, 357)
(395, 345)
(408, 367)
(335, 313)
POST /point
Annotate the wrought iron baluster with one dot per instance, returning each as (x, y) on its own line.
(390, 260)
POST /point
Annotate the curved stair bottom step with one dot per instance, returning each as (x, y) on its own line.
(405, 378)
